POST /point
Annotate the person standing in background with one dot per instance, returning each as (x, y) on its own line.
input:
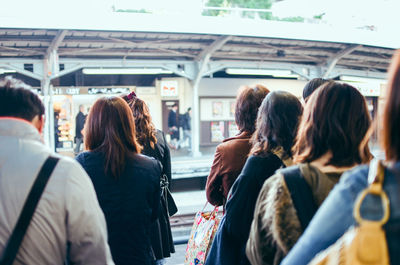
(185, 123)
(173, 126)
(79, 124)
(56, 131)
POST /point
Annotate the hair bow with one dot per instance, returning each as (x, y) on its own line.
(131, 95)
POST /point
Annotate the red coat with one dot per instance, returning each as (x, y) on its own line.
(229, 160)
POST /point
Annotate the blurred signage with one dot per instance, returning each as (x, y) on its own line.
(217, 109)
(90, 90)
(146, 90)
(66, 91)
(369, 90)
(217, 131)
(169, 88)
(108, 90)
(72, 91)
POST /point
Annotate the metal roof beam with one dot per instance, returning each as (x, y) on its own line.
(55, 43)
(335, 59)
(205, 54)
(66, 71)
(22, 71)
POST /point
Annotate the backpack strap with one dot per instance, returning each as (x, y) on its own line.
(31, 202)
(301, 195)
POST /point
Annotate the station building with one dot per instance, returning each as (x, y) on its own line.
(198, 64)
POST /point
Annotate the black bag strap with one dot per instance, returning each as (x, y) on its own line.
(301, 195)
(32, 200)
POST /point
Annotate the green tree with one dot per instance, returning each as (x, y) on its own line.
(254, 4)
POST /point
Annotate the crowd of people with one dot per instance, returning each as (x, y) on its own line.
(288, 181)
(109, 209)
(289, 191)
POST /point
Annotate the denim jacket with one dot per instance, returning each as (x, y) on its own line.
(335, 215)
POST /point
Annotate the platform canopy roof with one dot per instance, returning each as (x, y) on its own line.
(130, 37)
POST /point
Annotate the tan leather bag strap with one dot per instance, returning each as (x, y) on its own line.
(376, 177)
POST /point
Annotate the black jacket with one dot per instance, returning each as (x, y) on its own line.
(79, 124)
(130, 205)
(161, 235)
(184, 121)
(172, 119)
(229, 244)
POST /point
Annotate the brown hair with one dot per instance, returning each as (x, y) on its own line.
(247, 103)
(145, 129)
(335, 120)
(110, 129)
(391, 115)
(277, 122)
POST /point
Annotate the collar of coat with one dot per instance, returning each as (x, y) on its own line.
(242, 135)
(19, 128)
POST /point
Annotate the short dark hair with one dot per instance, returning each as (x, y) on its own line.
(335, 119)
(277, 122)
(311, 86)
(391, 114)
(247, 103)
(17, 100)
(110, 130)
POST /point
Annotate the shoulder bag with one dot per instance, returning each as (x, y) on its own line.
(165, 192)
(366, 242)
(11, 250)
(301, 195)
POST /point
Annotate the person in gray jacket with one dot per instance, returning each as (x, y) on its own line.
(68, 213)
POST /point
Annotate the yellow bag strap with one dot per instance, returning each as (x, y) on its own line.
(376, 176)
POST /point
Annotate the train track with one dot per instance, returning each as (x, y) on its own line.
(182, 220)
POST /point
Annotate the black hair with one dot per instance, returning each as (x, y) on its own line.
(311, 86)
(277, 121)
(17, 100)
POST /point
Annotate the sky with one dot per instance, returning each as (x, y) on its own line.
(382, 14)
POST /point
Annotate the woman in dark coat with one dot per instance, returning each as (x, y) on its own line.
(154, 145)
(127, 184)
(276, 127)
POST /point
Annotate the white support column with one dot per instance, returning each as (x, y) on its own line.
(196, 119)
(48, 105)
(202, 61)
(50, 68)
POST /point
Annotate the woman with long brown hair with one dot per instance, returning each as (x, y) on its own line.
(154, 145)
(333, 125)
(127, 183)
(336, 214)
